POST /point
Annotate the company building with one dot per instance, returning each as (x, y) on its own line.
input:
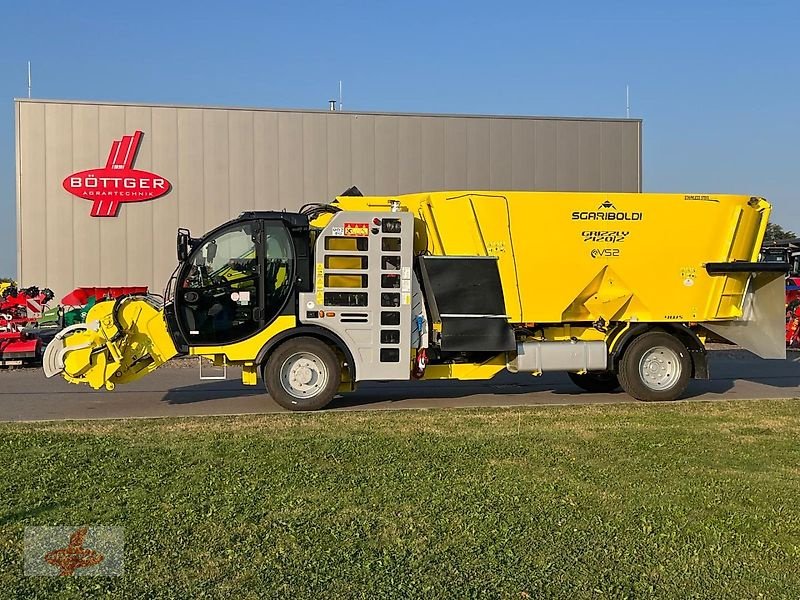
(102, 187)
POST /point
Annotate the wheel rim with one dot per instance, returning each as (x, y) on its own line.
(304, 375)
(660, 368)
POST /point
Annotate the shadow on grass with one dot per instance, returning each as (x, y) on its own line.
(24, 514)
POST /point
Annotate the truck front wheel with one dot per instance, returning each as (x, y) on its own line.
(302, 374)
(655, 366)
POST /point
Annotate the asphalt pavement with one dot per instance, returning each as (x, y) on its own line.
(26, 395)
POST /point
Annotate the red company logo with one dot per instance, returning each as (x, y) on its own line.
(117, 182)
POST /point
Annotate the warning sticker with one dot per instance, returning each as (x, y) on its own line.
(320, 282)
(356, 229)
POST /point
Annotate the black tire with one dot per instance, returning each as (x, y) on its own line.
(655, 367)
(299, 359)
(597, 382)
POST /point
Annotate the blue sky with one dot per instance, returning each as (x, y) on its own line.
(717, 83)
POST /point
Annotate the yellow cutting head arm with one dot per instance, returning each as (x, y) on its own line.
(120, 342)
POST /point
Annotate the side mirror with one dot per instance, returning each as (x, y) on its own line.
(184, 235)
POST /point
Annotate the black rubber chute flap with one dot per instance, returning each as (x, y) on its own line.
(466, 296)
(463, 285)
(477, 334)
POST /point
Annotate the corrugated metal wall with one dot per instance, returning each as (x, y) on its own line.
(223, 161)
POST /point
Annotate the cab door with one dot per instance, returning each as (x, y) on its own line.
(220, 296)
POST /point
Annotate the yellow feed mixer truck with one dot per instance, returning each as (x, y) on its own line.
(614, 289)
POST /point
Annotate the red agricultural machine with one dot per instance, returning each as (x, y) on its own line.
(28, 324)
(793, 312)
(20, 308)
(788, 251)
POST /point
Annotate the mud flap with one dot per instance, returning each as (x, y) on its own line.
(762, 328)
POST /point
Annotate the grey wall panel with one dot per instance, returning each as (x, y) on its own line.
(362, 145)
(241, 161)
(216, 165)
(315, 159)
(546, 170)
(432, 154)
(59, 232)
(32, 182)
(567, 166)
(500, 153)
(86, 154)
(17, 185)
(387, 160)
(188, 191)
(632, 155)
(455, 154)
(523, 155)
(612, 173)
(166, 219)
(265, 159)
(290, 159)
(590, 156)
(340, 155)
(114, 242)
(478, 153)
(224, 161)
(139, 221)
(408, 154)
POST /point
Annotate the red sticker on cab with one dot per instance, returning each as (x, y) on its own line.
(356, 229)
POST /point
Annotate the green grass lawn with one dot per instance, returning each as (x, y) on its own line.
(626, 501)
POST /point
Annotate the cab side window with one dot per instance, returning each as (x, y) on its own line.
(278, 268)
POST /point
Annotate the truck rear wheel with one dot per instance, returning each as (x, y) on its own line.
(597, 382)
(302, 374)
(655, 366)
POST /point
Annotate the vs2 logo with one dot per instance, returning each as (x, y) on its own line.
(604, 252)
